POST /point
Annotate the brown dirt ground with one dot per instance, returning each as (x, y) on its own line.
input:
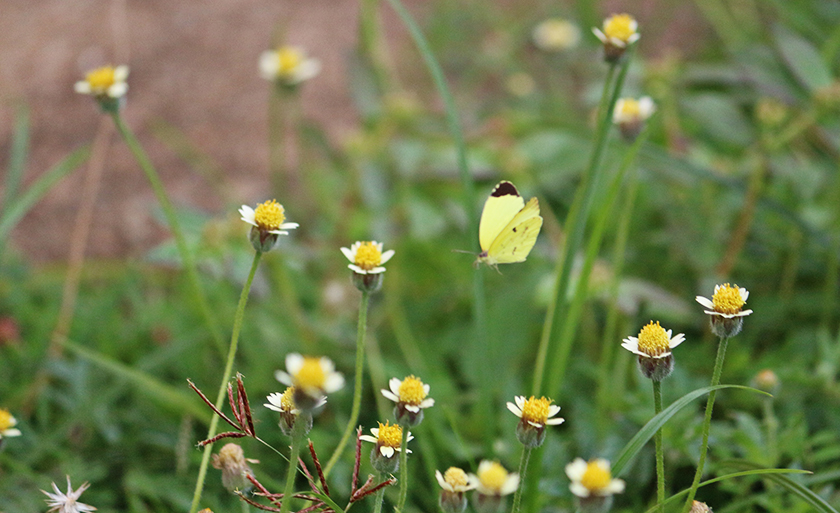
(194, 65)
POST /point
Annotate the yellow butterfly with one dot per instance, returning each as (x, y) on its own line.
(508, 228)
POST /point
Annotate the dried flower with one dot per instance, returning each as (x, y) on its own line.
(67, 502)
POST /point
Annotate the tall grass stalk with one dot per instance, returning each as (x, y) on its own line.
(298, 434)
(220, 397)
(576, 223)
(403, 469)
(657, 438)
(523, 468)
(380, 495)
(172, 219)
(361, 329)
(707, 421)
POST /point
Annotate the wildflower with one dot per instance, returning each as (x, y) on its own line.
(67, 503)
(725, 309)
(366, 259)
(556, 35)
(699, 507)
(535, 414)
(234, 466)
(454, 483)
(620, 31)
(267, 224)
(492, 482)
(766, 380)
(388, 440)
(653, 345)
(410, 395)
(289, 412)
(7, 424)
(593, 484)
(288, 66)
(630, 115)
(107, 85)
(312, 379)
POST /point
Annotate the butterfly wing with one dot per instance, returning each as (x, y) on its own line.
(517, 238)
(501, 207)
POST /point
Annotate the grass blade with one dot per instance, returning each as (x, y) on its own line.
(17, 156)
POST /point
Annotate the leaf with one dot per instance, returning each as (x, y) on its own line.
(792, 486)
(17, 156)
(803, 60)
(648, 430)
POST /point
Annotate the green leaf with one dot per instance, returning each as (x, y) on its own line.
(648, 430)
(803, 60)
(792, 486)
(17, 156)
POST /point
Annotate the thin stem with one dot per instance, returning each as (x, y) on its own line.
(660, 458)
(707, 421)
(380, 495)
(403, 468)
(361, 329)
(297, 438)
(234, 342)
(172, 219)
(523, 467)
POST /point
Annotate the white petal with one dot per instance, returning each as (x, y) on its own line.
(511, 484)
(268, 65)
(394, 384)
(82, 87)
(520, 401)
(368, 438)
(412, 408)
(646, 107)
(118, 90)
(390, 396)
(387, 451)
(600, 35)
(283, 377)
(555, 422)
(377, 270)
(553, 410)
(349, 254)
(386, 256)
(357, 269)
(426, 388)
(615, 486)
(442, 482)
(514, 409)
(679, 339)
(705, 303)
(576, 469)
(289, 226)
(427, 403)
(334, 383)
(579, 490)
(121, 73)
(306, 70)
(294, 362)
(744, 294)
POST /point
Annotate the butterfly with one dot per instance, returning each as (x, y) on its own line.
(509, 227)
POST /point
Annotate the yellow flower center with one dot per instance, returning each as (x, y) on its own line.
(653, 340)
(310, 375)
(368, 256)
(596, 477)
(630, 109)
(493, 477)
(620, 26)
(455, 477)
(728, 299)
(101, 79)
(412, 391)
(390, 435)
(269, 215)
(6, 420)
(536, 410)
(288, 60)
(286, 401)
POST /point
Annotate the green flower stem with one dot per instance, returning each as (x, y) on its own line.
(234, 342)
(707, 422)
(357, 390)
(172, 219)
(403, 468)
(380, 495)
(660, 458)
(297, 439)
(523, 467)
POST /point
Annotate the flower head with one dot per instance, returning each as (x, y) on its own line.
(630, 115)
(535, 414)
(366, 257)
(312, 378)
(726, 309)
(289, 412)
(234, 466)
(104, 82)
(67, 502)
(699, 507)
(7, 424)
(619, 32)
(411, 396)
(653, 346)
(555, 35)
(288, 65)
(493, 479)
(267, 222)
(388, 440)
(454, 482)
(593, 478)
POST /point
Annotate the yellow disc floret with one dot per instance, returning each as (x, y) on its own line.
(728, 299)
(630, 109)
(6, 420)
(654, 340)
(389, 435)
(311, 374)
(536, 410)
(269, 215)
(412, 391)
(287, 401)
(596, 477)
(621, 27)
(101, 79)
(288, 60)
(368, 256)
(493, 477)
(455, 477)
